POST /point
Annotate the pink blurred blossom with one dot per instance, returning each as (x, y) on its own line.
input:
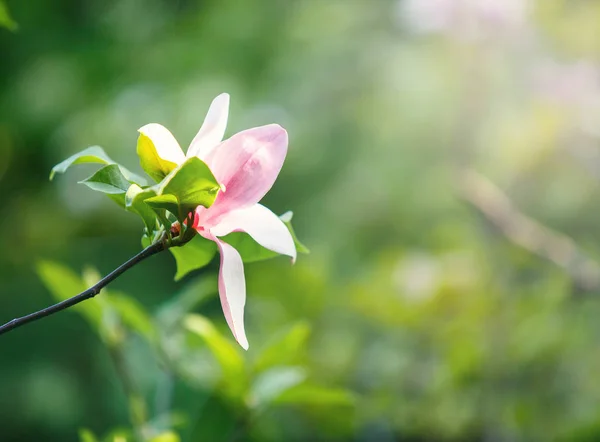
(465, 19)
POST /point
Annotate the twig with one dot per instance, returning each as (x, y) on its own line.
(153, 249)
(528, 233)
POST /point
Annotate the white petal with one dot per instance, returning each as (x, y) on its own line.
(212, 130)
(164, 142)
(262, 225)
(232, 290)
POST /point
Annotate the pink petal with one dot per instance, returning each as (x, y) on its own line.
(232, 290)
(262, 225)
(167, 147)
(247, 165)
(212, 130)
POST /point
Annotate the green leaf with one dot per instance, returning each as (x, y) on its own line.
(152, 164)
(135, 198)
(285, 348)
(224, 350)
(5, 18)
(108, 179)
(272, 383)
(166, 202)
(169, 436)
(64, 283)
(86, 435)
(193, 255)
(251, 251)
(111, 181)
(95, 155)
(133, 314)
(314, 395)
(190, 185)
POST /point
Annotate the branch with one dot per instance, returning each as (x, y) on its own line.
(528, 233)
(153, 249)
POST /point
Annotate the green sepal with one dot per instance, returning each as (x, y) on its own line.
(190, 185)
(94, 155)
(195, 254)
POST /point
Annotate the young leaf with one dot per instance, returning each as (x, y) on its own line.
(96, 155)
(108, 179)
(193, 255)
(190, 185)
(151, 162)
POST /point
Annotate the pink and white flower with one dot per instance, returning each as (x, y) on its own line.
(246, 166)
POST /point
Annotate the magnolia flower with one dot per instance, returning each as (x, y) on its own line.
(246, 166)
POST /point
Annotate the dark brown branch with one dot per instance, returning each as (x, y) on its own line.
(153, 249)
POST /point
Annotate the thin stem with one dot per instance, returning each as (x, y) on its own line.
(153, 249)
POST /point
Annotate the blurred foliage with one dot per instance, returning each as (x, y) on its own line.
(5, 18)
(415, 317)
(245, 389)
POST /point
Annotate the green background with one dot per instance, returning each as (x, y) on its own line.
(443, 168)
